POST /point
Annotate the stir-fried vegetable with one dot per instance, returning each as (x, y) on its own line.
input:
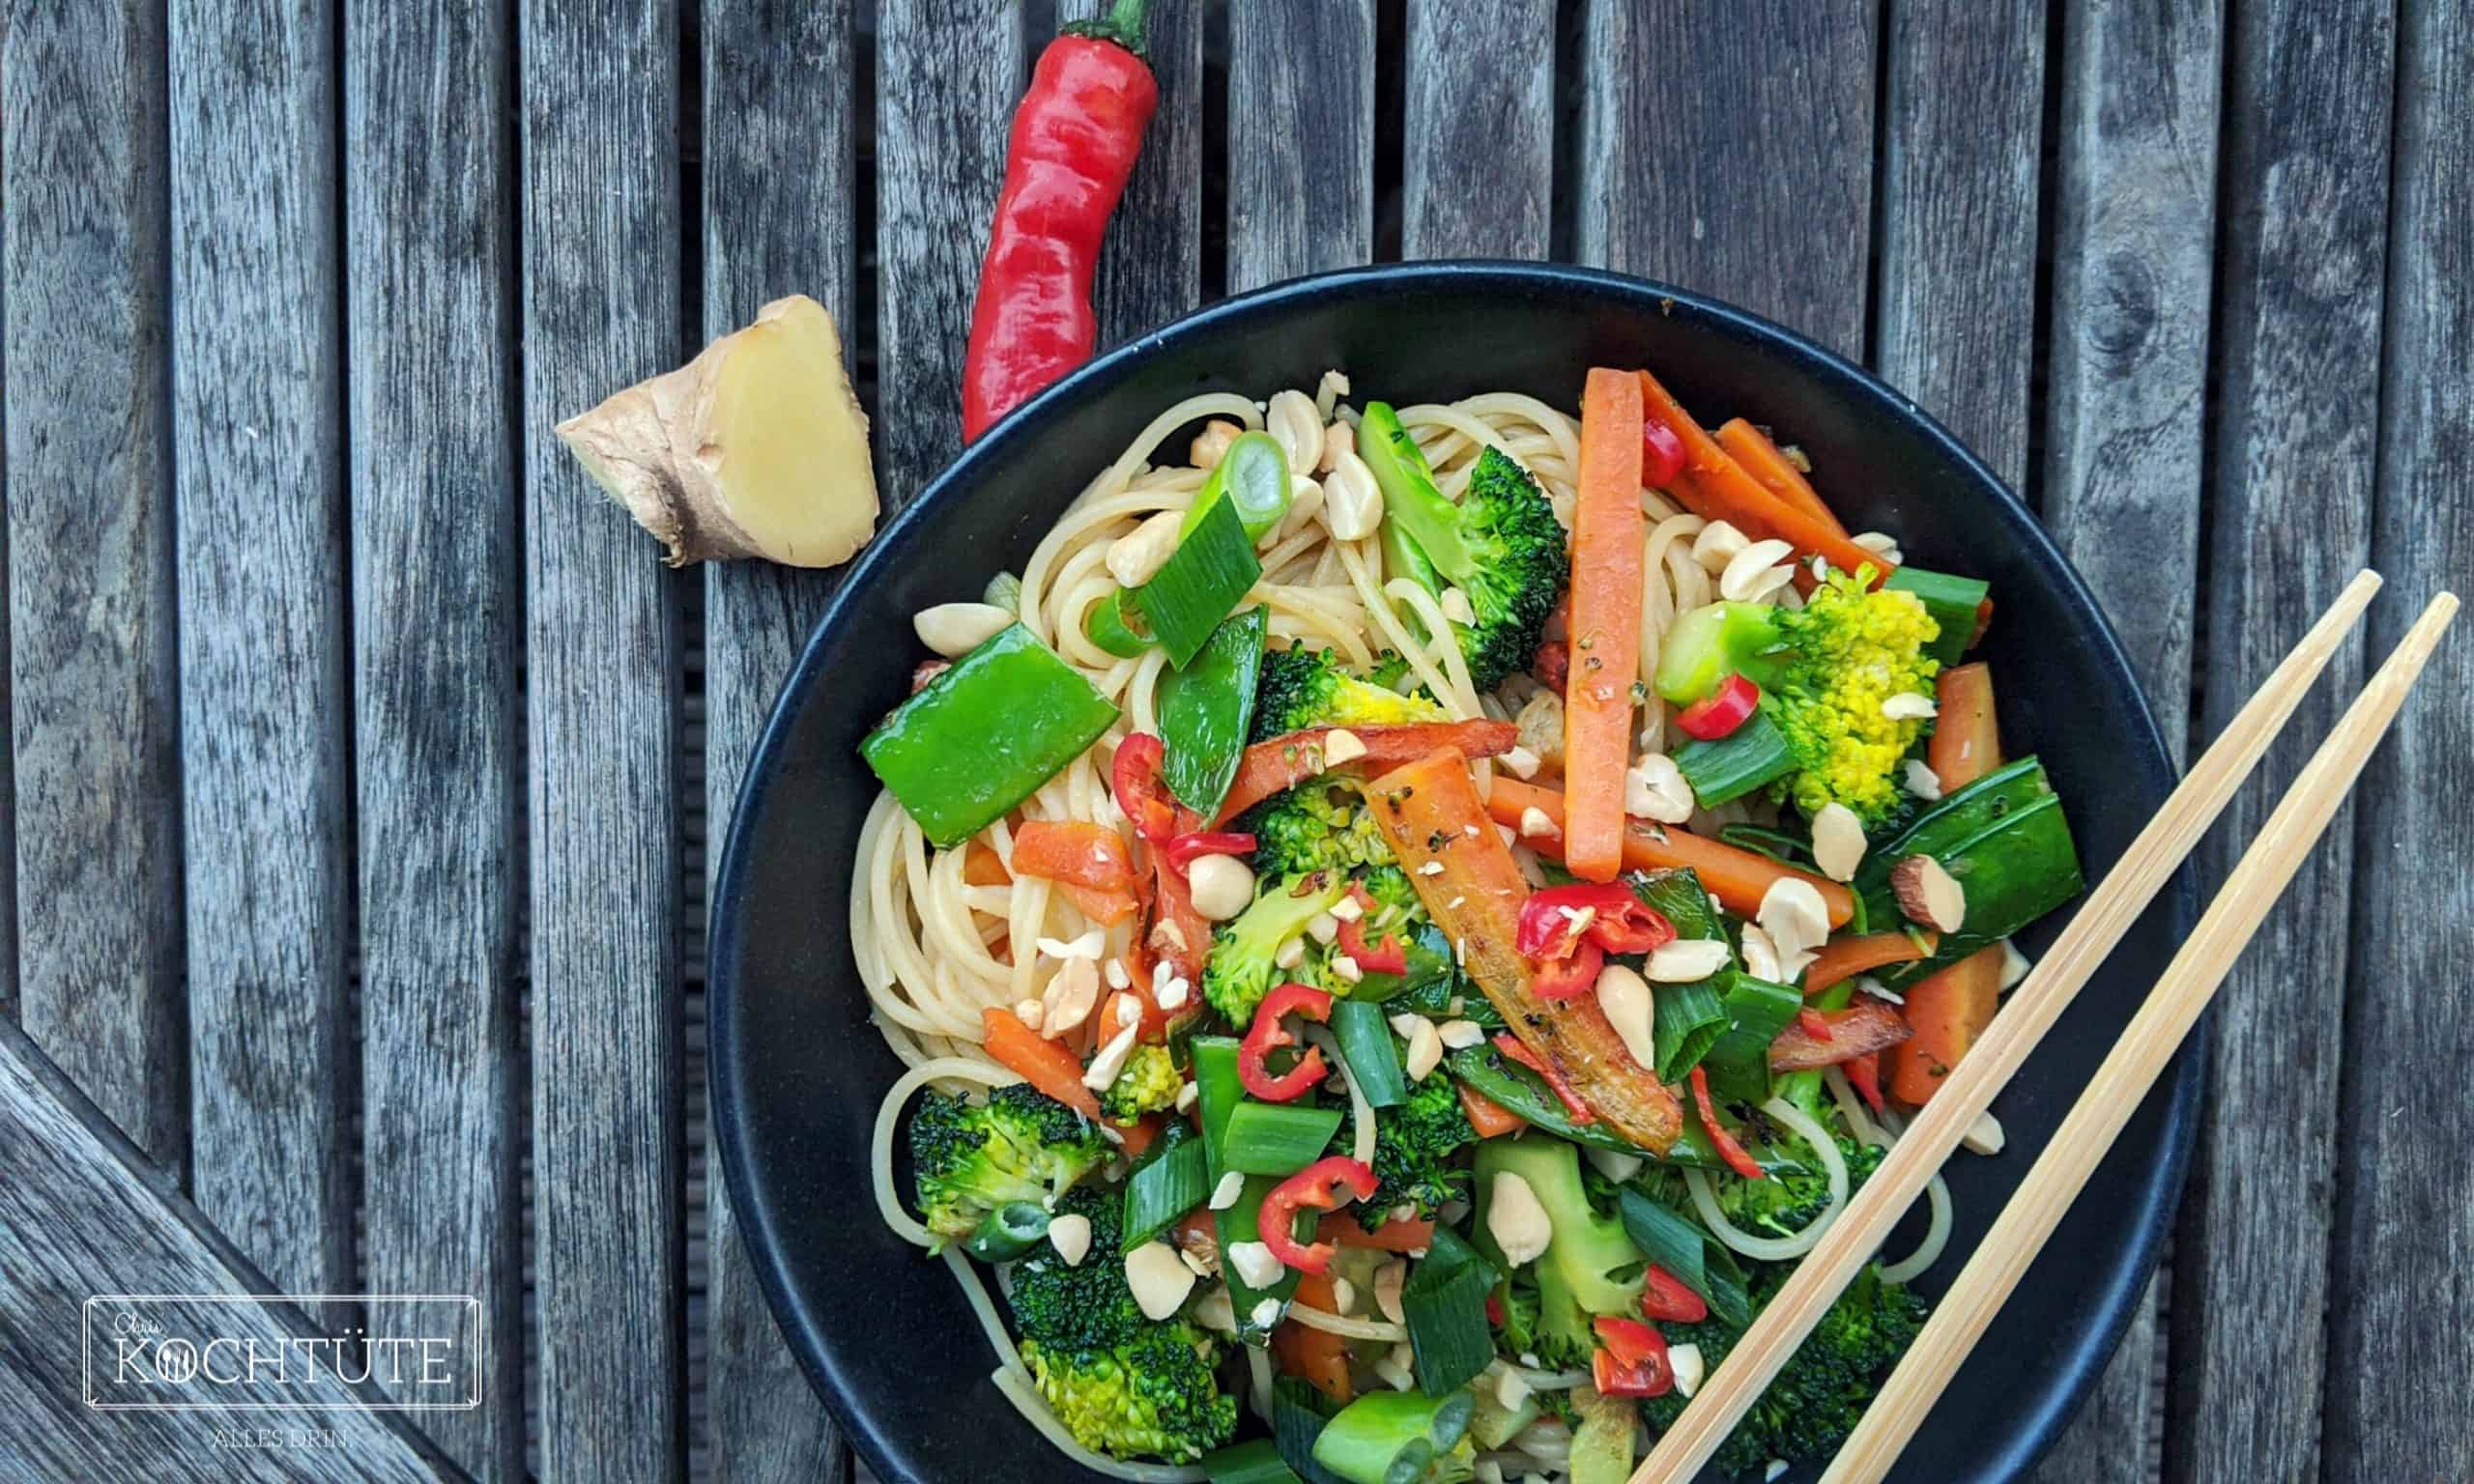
(1605, 625)
(1206, 707)
(1738, 877)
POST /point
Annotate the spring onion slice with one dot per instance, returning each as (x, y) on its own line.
(1757, 1011)
(1689, 1254)
(1219, 1094)
(1392, 1437)
(1374, 1061)
(1953, 601)
(1754, 755)
(1170, 1179)
(1444, 1304)
(1299, 1414)
(1255, 1461)
(1277, 1138)
(1008, 1231)
(1252, 475)
(1202, 580)
(1116, 625)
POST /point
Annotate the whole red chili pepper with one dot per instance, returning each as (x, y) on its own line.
(1075, 135)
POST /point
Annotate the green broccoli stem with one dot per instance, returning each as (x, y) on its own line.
(1411, 500)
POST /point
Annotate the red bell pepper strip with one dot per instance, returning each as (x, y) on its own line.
(1719, 1139)
(1387, 956)
(1809, 1020)
(1406, 1235)
(1284, 761)
(1268, 1035)
(1075, 136)
(1663, 1296)
(1864, 1075)
(1572, 976)
(1552, 921)
(1088, 862)
(1720, 712)
(1635, 1362)
(1185, 849)
(1134, 776)
(1310, 1189)
(1844, 1035)
(1518, 1050)
(1174, 932)
(1494, 1311)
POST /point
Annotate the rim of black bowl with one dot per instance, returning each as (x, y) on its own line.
(2004, 1458)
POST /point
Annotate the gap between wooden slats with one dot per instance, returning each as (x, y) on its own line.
(257, 382)
(600, 264)
(2304, 208)
(777, 217)
(2401, 1321)
(93, 720)
(1706, 163)
(437, 602)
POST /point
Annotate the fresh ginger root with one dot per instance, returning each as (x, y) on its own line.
(755, 448)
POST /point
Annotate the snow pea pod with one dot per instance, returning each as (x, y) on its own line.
(1204, 709)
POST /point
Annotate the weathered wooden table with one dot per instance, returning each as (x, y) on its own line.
(364, 759)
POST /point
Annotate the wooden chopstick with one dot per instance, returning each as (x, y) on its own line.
(2093, 933)
(2135, 1063)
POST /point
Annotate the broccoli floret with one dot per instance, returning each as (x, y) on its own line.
(1301, 687)
(1501, 545)
(1019, 1145)
(1086, 1307)
(1151, 1395)
(1321, 824)
(1796, 1190)
(1815, 1402)
(1414, 1145)
(1590, 1267)
(1824, 672)
(1148, 1082)
(1241, 968)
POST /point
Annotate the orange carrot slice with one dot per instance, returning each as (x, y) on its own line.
(1967, 740)
(1841, 960)
(1606, 624)
(1716, 486)
(1752, 448)
(1044, 1064)
(1948, 1013)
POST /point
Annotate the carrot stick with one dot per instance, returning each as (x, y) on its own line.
(1716, 486)
(1485, 1115)
(1606, 624)
(1044, 1064)
(1967, 741)
(1752, 448)
(1738, 879)
(981, 868)
(1841, 960)
(1345, 1228)
(1949, 1012)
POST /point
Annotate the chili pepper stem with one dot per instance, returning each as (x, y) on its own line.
(1123, 25)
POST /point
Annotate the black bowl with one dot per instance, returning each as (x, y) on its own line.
(798, 1070)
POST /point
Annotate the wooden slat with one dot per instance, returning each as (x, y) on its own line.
(2403, 1222)
(436, 601)
(942, 68)
(1151, 269)
(2133, 250)
(2306, 125)
(600, 266)
(1962, 129)
(1301, 152)
(777, 219)
(1478, 145)
(84, 1212)
(258, 419)
(1727, 148)
(88, 489)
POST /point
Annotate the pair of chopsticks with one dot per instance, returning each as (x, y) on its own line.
(2109, 1099)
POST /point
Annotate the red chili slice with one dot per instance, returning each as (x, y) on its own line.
(1635, 1362)
(1134, 776)
(1310, 1189)
(1662, 454)
(1185, 849)
(1609, 915)
(1569, 977)
(1813, 1024)
(1864, 1072)
(1268, 1035)
(1663, 1296)
(1389, 957)
(1720, 713)
(1719, 1139)
(1518, 1050)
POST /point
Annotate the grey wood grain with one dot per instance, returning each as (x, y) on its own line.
(2401, 1321)
(85, 1212)
(2122, 479)
(942, 68)
(258, 418)
(1477, 144)
(436, 601)
(1727, 149)
(1955, 296)
(1151, 268)
(2306, 125)
(778, 218)
(1301, 142)
(93, 720)
(602, 308)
